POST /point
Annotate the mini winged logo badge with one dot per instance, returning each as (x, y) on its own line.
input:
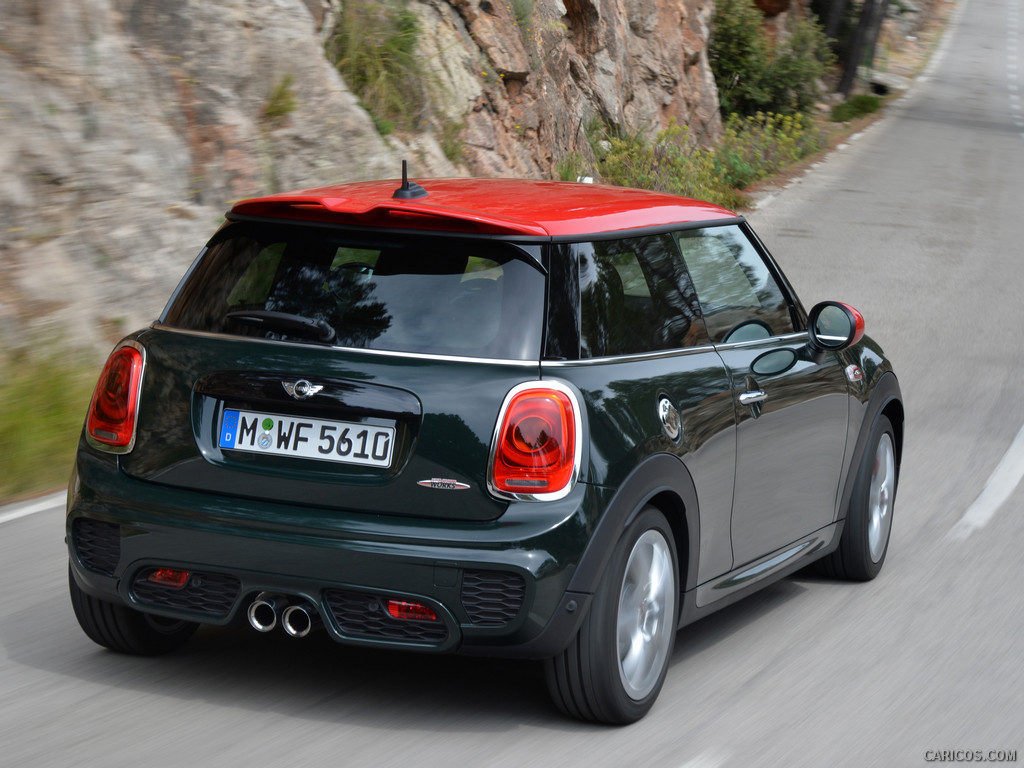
(301, 389)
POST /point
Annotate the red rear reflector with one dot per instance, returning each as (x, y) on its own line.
(402, 609)
(112, 412)
(169, 578)
(535, 451)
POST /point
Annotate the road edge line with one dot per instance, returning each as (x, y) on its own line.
(33, 507)
(1000, 486)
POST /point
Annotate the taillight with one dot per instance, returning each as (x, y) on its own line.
(536, 448)
(114, 406)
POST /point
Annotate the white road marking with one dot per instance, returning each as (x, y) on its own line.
(1012, 33)
(705, 760)
(1001, 484)
(30, 508)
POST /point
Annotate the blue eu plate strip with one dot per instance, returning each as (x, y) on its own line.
(229, 429)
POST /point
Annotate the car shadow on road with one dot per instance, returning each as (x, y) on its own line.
(318, 679)
(711, 630)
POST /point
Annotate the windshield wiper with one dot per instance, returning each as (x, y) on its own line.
(287, 323)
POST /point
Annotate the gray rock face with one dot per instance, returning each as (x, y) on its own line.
(130, 125)
(636, 64)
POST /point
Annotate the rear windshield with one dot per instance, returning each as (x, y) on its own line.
(429, 294)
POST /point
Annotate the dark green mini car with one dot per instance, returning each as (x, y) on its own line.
(512, 418)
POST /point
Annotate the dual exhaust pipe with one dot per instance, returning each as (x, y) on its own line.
(297, 618)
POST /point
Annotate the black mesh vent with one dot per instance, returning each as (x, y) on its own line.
(98, 544)
(211, 594)
(364, 615)
(492, 598)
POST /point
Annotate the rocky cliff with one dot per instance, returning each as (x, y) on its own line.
(128, 126)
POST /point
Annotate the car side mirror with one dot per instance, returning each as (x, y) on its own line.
(834, 326)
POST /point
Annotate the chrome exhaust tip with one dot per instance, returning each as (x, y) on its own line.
(300, 619)
(263, 611)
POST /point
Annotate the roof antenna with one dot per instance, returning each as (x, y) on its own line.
(409, 190)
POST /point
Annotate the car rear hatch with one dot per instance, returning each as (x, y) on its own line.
(309, 367)
(381, 435)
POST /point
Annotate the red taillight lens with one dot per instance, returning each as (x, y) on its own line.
(535, 451)
(403, 609)
(111, 419)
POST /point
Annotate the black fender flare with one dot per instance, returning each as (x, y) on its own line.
(885, 394)
(659, 475)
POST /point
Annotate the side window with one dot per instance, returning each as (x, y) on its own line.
(635, 296)
(359, 259)
(631, 275)
(739, 297)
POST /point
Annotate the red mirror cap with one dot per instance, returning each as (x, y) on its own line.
(858, 320)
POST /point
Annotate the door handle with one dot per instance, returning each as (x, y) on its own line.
(754, 397)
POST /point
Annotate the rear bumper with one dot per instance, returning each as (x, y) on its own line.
(497, 588)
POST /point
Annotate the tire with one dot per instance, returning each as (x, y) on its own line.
(865, 540)
(124, 629)
(614, 668)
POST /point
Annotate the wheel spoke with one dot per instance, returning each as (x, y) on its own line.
(661, 568)
(628, 609)
(880, 497)
(646, 605)
(634, 657)
(639, 569)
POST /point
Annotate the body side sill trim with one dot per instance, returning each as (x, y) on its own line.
(774, 565)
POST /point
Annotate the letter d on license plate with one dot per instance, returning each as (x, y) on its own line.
(327, 440)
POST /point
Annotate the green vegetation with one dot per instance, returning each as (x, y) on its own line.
(373, 45)
(572, 167)
(766, 89)
(756, 75)
(281, 102)
(668, 164)
(758, 146)
(451, 143)
(751, 148)
(42, 408)
(856, 106)
(523, 11)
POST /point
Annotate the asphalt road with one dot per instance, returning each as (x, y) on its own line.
(917, 223)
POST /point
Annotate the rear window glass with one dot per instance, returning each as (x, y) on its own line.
(429, 294)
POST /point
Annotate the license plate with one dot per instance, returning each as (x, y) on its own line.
(327, 440)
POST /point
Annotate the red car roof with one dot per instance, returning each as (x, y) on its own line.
(488, 206)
